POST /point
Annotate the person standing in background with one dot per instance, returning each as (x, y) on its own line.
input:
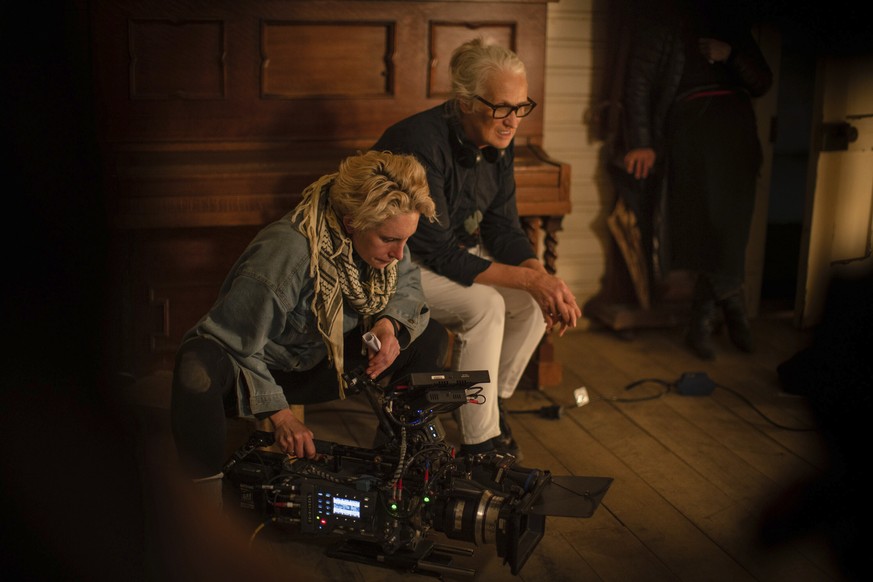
(692, 73)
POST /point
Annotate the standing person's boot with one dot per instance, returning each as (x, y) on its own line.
(734, 309)
(702, 323)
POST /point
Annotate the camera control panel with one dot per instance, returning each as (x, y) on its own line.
(328, 508)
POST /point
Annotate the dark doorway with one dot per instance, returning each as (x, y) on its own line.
(791, 158)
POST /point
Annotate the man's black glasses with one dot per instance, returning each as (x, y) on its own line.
(503, 111)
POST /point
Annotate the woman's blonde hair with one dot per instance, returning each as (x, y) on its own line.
(374, 186)
(473, 63)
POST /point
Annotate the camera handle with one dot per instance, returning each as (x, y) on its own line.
(257, 439)
(359, 381)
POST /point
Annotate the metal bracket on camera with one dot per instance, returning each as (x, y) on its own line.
(257, 440)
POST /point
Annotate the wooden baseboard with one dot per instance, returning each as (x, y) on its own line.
(550, 374)
(623, 316)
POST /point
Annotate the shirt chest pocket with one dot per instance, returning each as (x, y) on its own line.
(460, 193)
(300, 324)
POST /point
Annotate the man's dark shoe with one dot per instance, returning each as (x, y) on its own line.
(503, 419)
(507, 446)
(496, 445)
(505, 443)
(483, 447)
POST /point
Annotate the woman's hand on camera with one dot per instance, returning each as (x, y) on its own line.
(389, 349)
(292, 436)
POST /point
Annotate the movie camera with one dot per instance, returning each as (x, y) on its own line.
(383, 502)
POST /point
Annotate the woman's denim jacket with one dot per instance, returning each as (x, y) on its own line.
(264, 319)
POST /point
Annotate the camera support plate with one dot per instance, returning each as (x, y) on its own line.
(428, 558)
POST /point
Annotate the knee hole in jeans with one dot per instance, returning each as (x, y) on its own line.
(192, 374)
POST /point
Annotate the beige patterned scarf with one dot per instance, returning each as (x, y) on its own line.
(335, 274)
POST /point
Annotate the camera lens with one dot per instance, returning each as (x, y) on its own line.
(469, 516)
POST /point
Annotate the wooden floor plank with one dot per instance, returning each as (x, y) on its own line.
(673, 434)
(645, 356)
(600, 538)
(691, 438)
(630, 493)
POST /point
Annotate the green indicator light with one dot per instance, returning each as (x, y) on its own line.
(426, 499)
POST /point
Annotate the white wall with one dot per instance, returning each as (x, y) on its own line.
(575, 36)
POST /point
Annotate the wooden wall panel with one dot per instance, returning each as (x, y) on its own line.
(293, 92)
(445, 37)
(171, 59)
(333, 59)
(175, 277)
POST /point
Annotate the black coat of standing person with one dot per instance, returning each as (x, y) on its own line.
(693, 71)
